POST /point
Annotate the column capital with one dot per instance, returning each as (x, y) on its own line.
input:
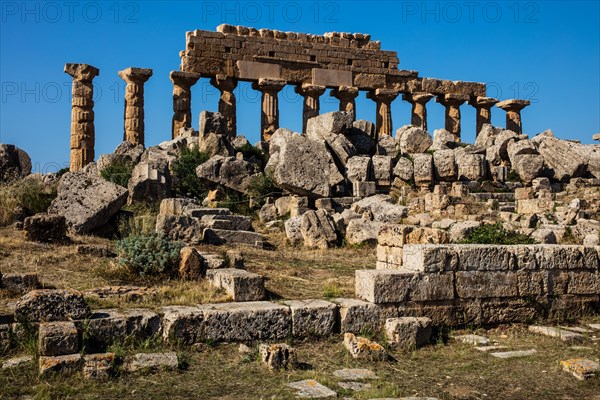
(81, 72)
(135, 75)
(224, 82)
(451, 99)
(417, 97)
(482, 102)
(513, 104)
(308, 89)
(344, 92)
(269, 85)
(383, 94)
(182, 78)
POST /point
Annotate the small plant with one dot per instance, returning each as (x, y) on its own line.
(28, 196)
(149, 255)
(119, 173)
(331, 290)
(495, 234)
(250, 151)
(512, 176)
(185, 181)
(238, 203)
(261, 186)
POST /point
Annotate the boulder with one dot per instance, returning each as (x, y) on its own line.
(150, 181)
(302, 166)
(423, 168)
(330, 129)
(215, 144)
(412, 139)
(591, 155)
(239, 142)
(380, 208)
(360, 231)
(278, 356)
(382, 170)
(358, 168)
(14, 163)
(443, 140)
(562, 161)
(471, 167)
(46, 305)
(45, 228)
(487, 136)
(191, 264)
(227, 171)
(293, 227)
(444, 165)
(404, 169)
(408, 332)
(361, 136)
(318, 230)
(387, 146)
(125, 153)
(212, 122)
(528, 166)
(87, 201)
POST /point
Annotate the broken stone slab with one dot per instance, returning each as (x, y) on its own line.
(423, 169)
(565, 336)
(387, 146)
(359, 169)
(381, 208)
(278, 356)
(58, 338)
(230, 172)
(180, 228)
(382, 169)
(581, 368)
(404, 169)
(318, 230)
(182, 324)
(313, 318)
(562, 161)
(223, 236)
(16, 362)
(191, 264)
(363, 348)
(98, 366)
(46, 228)
(239, 284)
(354, 386)
(62, 364)
(293, 232)
(309, 388)
(354, 374)
(46, 305)
(358, 315)
(514, 354)
(475, 340)
(19, 283)
(150, 181)
(246, 322)
(595, 326)
(360, 231)
(228, 222)
(361, 135)
(577, 329)
(152, 361)
(413, 139)
(87, 201)
(408, 332)
(330, 129)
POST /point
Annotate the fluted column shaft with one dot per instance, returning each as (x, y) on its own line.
(182, 100)
(134, 103)
(311, 103)
(483, 107)
(227, 105)
(269, 121)
(347, 97)
(419, 108)
(452, 103)
(383, 99)
(513, 109)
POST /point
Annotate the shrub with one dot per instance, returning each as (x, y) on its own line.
(29, 195)
(261, 186)
(495, 234)
(185, 181)
(149, 255)
(119, 173)
(250, 151)
(238, 203)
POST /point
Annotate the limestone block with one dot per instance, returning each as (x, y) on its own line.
(382, 170)
(318, 230)
(98, 366)
(404, 169)
(239, 284)
(358, 315)
(58, 338)
(471, 167)
(413, 139)
(479, 285)
(313, 318)
(223, 236)
(182, 324)
(46, 305)
(408, 332)
(423, 168)
(430, 258)
(363, 348)
(278, 356)
(358, 169)
(151, 361)
(62, 364)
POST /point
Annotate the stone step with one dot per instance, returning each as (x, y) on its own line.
(227, 222)
(565, 336)
(203, 211)
(223, 236)
(239, 284)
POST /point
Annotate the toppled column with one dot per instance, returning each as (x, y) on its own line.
(383, 98)
(82, 115)
(182, 99)
(226, 85)
(419, 109)
(311, 106)
(513, 109)
(269, 121)
(483, 107)
(452, 102)
(134, 103)
(347, 97)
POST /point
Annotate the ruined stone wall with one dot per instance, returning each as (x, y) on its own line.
(332, 60)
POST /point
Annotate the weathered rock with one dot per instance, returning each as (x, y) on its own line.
(382, 170)
(188, 229)
(63, 364)
(318, 230)
(151, 361)
(359, 169)
(474, 340)
(413, 139)
(562, 161)
(309, 388)
(459, 230)
(14, 163)
(125, 153)
(98, 366)
(471, 167)
(330, 128)
(278, 356)
(267, 213)
(408, 332)
(51, 305)
(16, 362)
(444, 165)
(528, 166)
(363, 348)
(58, 338)
(361, 135)
(312, 318)
(227, 171)
(182, 324)
(150, 181)
(354, 374)
(564, 335)
(212, 122)
(581, 368)
(404, 169)
(191, 264)
(361, 231)
(293, 230)
(46, 228)
(239, 284)
(423, 168)
(302, 166)
(87, 202)
(387, 146)
(443, 140)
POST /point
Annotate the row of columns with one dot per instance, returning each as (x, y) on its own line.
(82, 114)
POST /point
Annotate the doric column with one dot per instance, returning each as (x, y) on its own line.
(134, 103)
(346, 95)
(226, 84)
(383, 98)
(269, 121)
(311, 94)
(452, 102)
(483, 107)
(182, 99)
(419, 109)
(513, 109)
(82, 115)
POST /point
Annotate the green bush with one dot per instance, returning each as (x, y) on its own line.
(250, 151)
(31, 196)
(149, 255)
(185, 181)
(261, 186)
(119, 173)
(495, 234)
(236, 202)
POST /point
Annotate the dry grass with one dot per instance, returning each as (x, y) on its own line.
(446, 371)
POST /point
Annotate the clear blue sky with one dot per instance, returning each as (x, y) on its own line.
(546, 51)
